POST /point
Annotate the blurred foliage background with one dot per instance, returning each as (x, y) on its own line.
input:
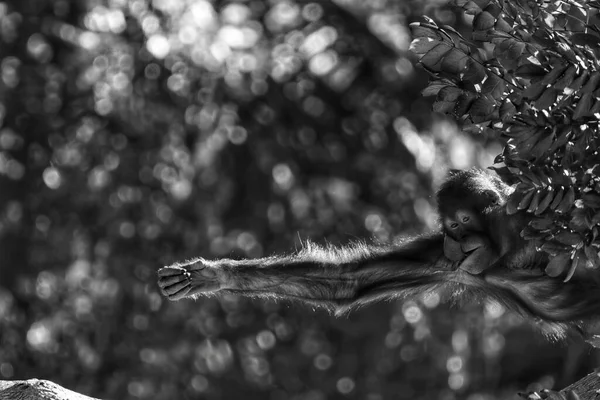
(134, 133)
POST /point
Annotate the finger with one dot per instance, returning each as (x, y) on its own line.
(452, 249)
(169, 289)
(196, 265)
(477, 261)
(472, 242)
(180, 294)
(177, 287)
(171, 280)
(169, 271)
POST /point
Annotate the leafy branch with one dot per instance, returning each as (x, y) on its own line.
(531, 72)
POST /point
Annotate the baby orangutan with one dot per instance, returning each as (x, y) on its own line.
(478, 253)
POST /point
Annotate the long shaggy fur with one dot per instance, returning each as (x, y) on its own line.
(341, 279)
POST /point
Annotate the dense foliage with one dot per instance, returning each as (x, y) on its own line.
(530, 70)
(134, 133)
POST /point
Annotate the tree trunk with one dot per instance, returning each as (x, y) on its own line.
(36, 389)
(587, 387)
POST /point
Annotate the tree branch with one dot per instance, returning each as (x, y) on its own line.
(587, 387)
(37, 389)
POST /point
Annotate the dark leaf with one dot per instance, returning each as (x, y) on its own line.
(525, 145)
(546, 99)
(424, 30)
(576, 262)
(470, 7)
(554, 248)
(483, 21)
(483, 106)
(567, 78)
(474, 73)
(561, 21)
(576, 12)
(592, 255)
(482, 36)
(595, 108)
(562, 137)
(452, 31)
(569, 238)
(580, 220)
(592, 83)
(529, 233)
(596, 218)
(591, 199)
(545, 202)
(494, 86)
(493, 9)
(507, 110)
(557, 198)
(585, 39)
(534, 91)
(526, 199)
(423, 45)
(583, 106)
(503, 26)
(463, 103)
(542, 224)
(518, 131)
(579, 81)
(558, 265)
(567, 52)
(508, 52)
(530, 71)
(454, 61)
(567, 201)
(449, 93)
(535, 201)
(446, 99)
(534, 176)
(542, 146)
(434, 57)
(434, 87)
(552, 76)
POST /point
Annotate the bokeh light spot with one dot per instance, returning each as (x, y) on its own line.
(456, 381)
(158, 46)
(265, 339)
(52, 178)
(282, 174)
(199, 383)
(323, 63)
(323, 362)
(412, 313)
(345, 385)
(454, 364)
(237, 135)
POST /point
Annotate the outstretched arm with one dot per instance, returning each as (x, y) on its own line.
(479, 252)
(345, 278)
(338, 279)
